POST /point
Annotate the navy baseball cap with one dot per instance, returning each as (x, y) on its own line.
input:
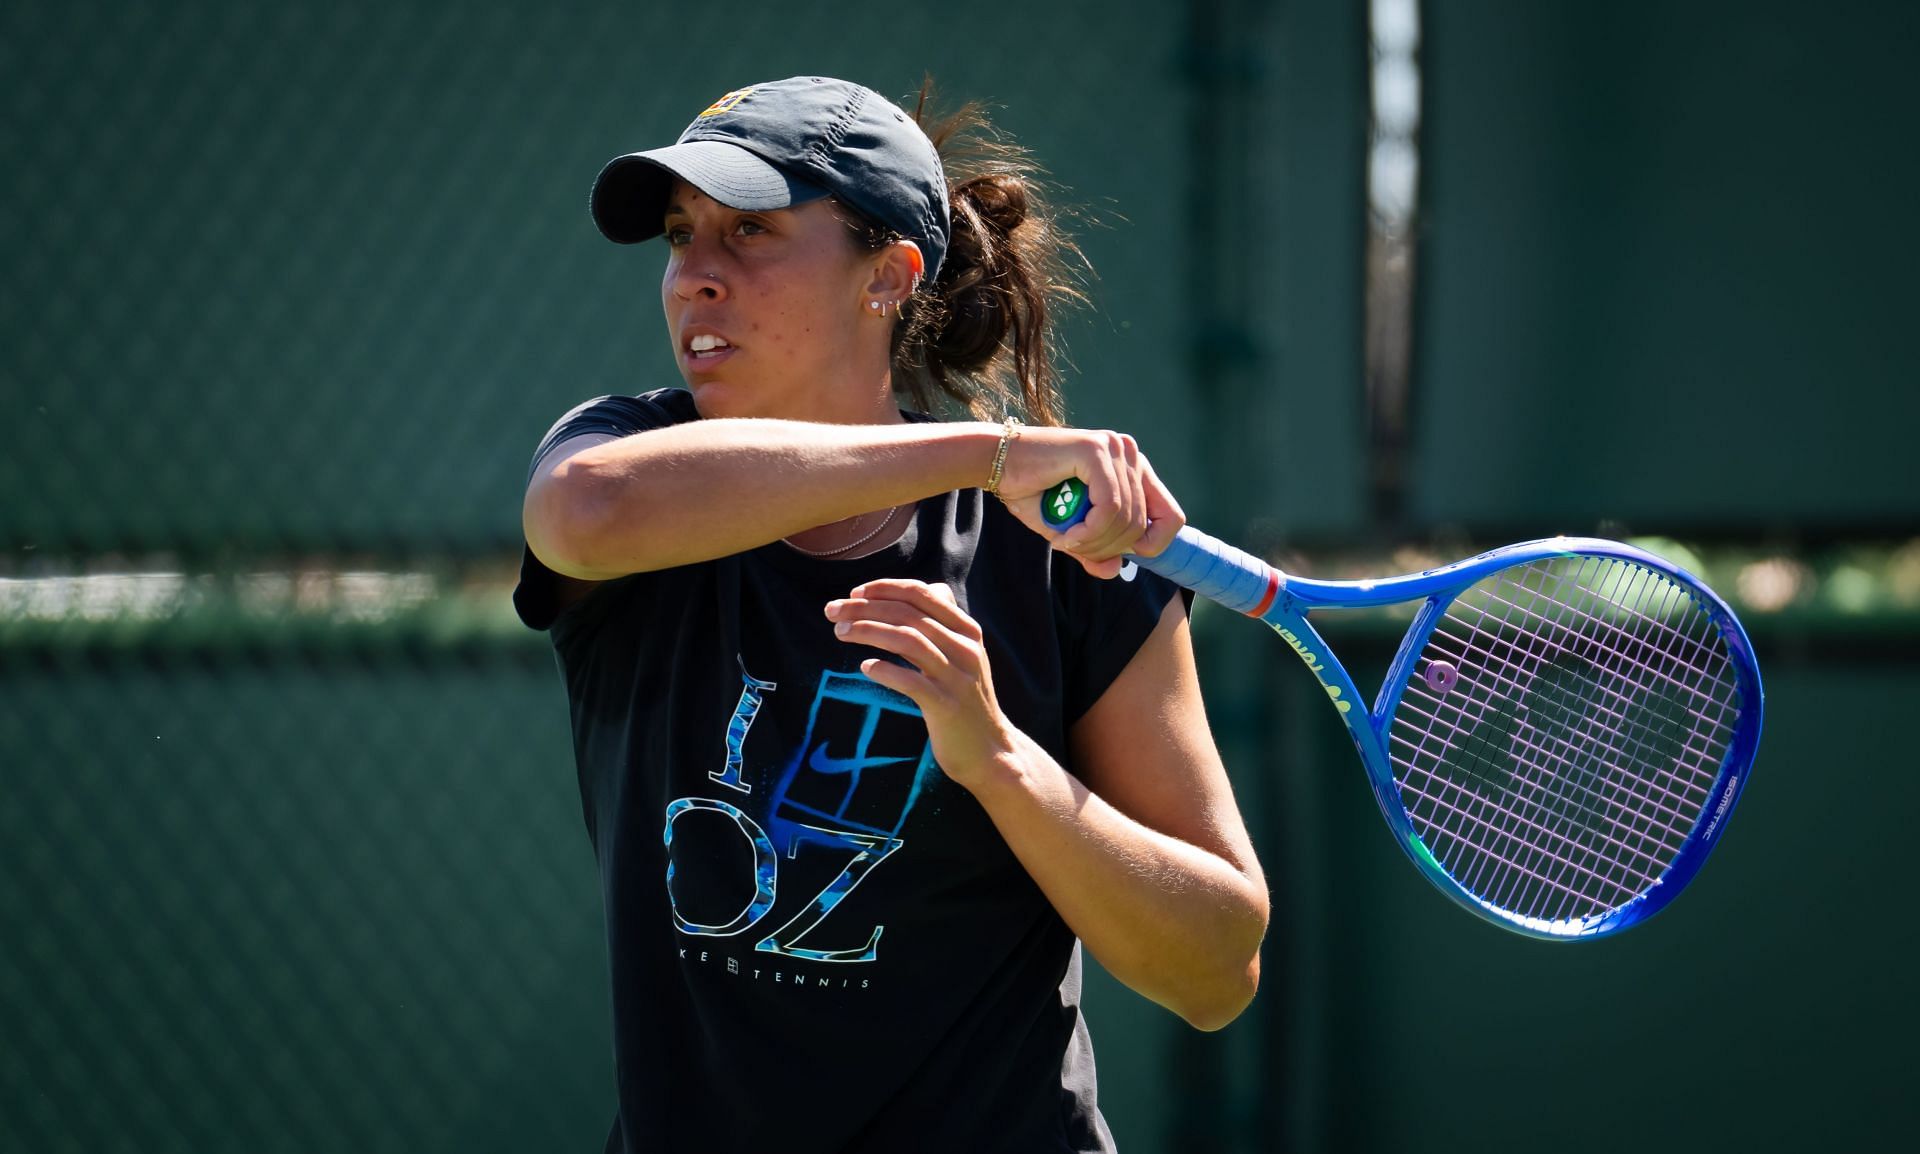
(785, 143)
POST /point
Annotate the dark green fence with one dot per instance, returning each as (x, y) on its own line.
(1662, 265)
(295, 902)
(317, 276)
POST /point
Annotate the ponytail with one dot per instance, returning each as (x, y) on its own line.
(979, 336)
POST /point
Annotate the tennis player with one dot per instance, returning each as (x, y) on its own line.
(865, 755)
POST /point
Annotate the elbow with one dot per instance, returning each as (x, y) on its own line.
(1231, 984)
(1224, 1001)
(569, 518)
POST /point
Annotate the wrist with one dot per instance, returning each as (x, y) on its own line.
(1009, 433)
(1013, 773)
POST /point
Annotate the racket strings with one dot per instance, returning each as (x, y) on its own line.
(1529, 829)
(1612, 716)
(1540, 858)
(1555, 621)
(1660, 804)
(1566, 808)
(1610, 709)
(1500, 706)
(1562, 773)
(1608, 728)
(1556, 796)
(1614, 703)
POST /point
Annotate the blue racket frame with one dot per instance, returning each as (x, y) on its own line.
(1245, 583)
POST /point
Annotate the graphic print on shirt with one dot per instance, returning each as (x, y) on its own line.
(845, 791)
(751, 698)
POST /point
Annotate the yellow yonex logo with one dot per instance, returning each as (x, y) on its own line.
(726, 103)
(1314, 663)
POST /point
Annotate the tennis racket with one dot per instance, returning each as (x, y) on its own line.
(1563, 734)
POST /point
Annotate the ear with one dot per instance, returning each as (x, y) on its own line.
(896, 271)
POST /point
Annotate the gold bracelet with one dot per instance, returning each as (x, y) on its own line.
(1009, 433)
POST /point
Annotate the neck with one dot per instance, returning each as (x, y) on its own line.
(853, 537)
(874, 405)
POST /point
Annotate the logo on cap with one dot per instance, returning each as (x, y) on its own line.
(725, 103)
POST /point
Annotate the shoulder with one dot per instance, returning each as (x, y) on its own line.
(623, 415)
(617, 416)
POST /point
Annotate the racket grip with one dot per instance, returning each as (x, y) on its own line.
(1206, 565)
(1217, 571)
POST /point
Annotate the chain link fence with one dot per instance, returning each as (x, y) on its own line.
(315, 277)
(293, 901)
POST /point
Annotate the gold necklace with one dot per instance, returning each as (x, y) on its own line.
(878, 529)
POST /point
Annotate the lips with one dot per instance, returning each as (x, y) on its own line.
(703, 348)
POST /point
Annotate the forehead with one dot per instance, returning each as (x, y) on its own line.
(684, 196)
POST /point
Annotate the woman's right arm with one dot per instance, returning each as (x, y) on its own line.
(599, 507)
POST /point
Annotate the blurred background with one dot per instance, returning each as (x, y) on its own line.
(290, 848)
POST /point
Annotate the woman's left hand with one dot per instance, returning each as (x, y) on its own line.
(948, 677)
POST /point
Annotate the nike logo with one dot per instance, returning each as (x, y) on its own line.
(819, 762)
(1129, 570)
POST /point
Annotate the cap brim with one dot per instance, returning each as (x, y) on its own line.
(629, 198)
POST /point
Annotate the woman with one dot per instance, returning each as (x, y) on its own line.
(860, 753)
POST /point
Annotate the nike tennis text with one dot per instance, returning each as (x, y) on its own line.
(778, 977)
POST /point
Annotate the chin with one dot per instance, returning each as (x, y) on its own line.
(715, 398)
(733, 398)
(720, 399)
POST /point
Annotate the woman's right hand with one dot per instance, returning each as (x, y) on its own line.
(1131, 510)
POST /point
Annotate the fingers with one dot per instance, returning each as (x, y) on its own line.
(899, 596)
(1130, 509)
(898, 630)
(1165, 518)
(920, 623)
(910, 683)
(1118, 514)
(1141, 516)
(1164, 521)
(948, 676)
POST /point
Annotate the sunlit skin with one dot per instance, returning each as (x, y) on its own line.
(789, 291)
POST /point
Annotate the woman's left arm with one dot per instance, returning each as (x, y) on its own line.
(1143, 853)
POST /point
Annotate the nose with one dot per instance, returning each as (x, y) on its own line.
(693, 277)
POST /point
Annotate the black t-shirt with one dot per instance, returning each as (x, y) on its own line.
(819, 942)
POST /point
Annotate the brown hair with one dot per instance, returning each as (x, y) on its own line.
(979, 336)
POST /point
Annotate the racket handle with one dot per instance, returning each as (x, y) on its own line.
(1204, 564)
